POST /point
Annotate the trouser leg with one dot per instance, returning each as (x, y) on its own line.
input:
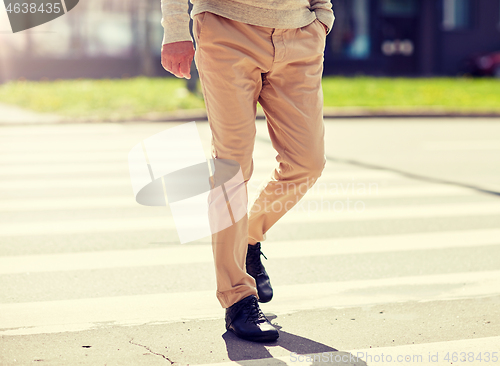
(292, 100)
(229, 57)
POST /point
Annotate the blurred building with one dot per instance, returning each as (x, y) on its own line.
(97, 39)
(410, 37)
(117, 38)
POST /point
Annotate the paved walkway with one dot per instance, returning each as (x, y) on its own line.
(14, 115)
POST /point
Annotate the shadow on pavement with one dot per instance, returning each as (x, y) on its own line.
(301, 349)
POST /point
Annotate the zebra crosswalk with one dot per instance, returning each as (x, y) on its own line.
(407, 243)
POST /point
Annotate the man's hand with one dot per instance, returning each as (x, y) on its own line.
(176, 58)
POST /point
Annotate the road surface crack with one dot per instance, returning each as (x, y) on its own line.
(151, 351)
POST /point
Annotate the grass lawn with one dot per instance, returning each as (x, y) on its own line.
(449, 94)
(136, 97)
(101, 99)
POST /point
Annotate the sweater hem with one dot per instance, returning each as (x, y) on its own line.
(270, 18)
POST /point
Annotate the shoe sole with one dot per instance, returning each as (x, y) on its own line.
(263, 338)
(263, 301)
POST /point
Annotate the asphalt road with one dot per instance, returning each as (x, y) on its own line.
(393, 257)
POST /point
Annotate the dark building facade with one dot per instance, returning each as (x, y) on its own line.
(410, 37)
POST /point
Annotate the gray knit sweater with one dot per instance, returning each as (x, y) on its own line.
(281, 14)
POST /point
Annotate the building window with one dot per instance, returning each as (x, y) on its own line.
(456, 14)
(351, 33)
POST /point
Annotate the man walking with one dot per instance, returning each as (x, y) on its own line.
(250, 51)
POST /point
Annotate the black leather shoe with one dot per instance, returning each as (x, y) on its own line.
(256, 269)
(247, 321)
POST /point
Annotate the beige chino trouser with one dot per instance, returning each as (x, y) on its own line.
(239, 65)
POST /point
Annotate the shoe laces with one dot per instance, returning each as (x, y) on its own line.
(253, 312)
(254, 262)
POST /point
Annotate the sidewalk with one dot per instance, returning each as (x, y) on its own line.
(14, 115)
(11, 115)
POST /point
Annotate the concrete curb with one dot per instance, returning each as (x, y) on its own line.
(350, 113)
(332, 113)
(328, 113)
(30, 118)
(201, 115)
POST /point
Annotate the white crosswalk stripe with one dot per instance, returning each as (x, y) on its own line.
(305, 211)
(84, 203)
(202, 253)
(54, 316)
(36, 211)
